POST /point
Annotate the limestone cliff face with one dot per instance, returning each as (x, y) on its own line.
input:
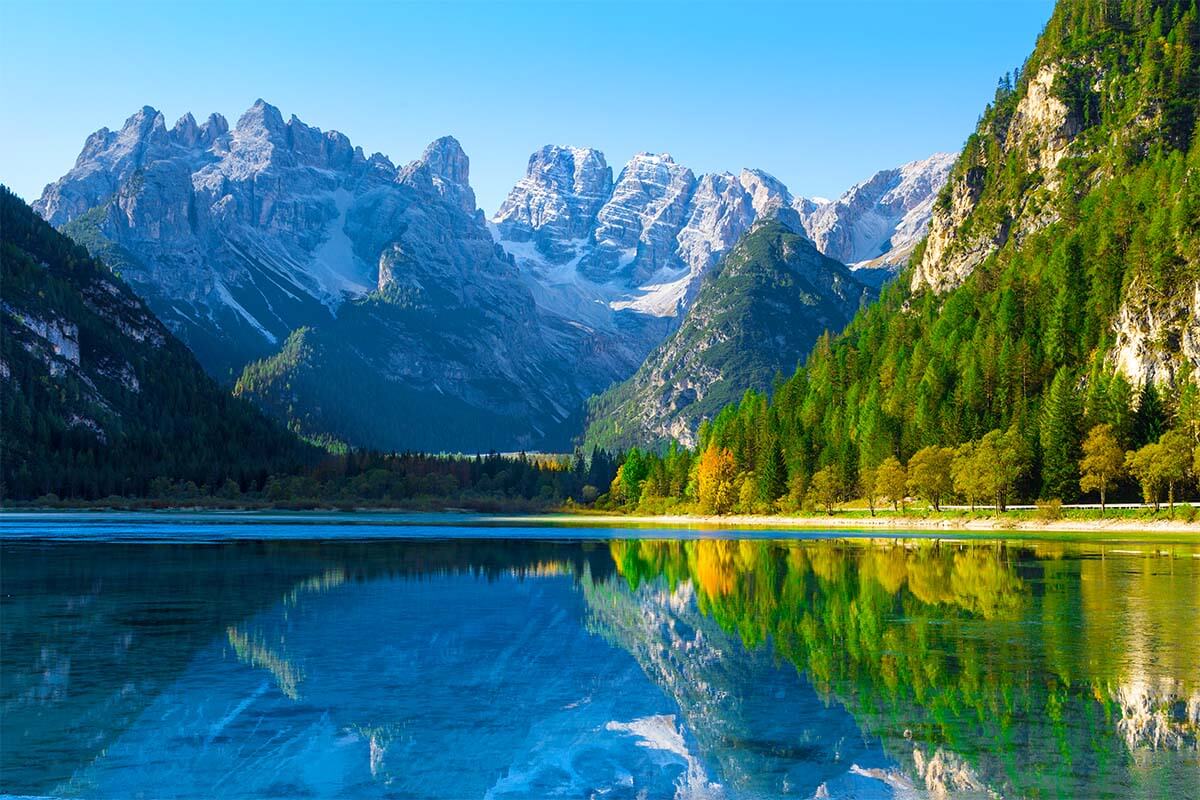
(1043, 126)
(1038, 135)
(949, 258)
(1155, 336)
(1093, 116)
(557, 200)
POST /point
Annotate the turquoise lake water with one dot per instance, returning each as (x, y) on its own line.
(418, 656)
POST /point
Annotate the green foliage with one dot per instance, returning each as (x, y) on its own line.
(633, 473)
(1145, 464)
(1060, 438)
(891, 481)
(1016, 359)
(1102, 463)
(1000, 460)
(1049, 510)
(826, 488)
(929, 474)
(757, 314)
(1165, 464)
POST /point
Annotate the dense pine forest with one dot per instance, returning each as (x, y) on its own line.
(98, 398)
(1005, 386)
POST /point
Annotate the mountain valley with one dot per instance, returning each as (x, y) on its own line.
(373, 305)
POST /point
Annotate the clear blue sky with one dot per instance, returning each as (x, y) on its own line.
(820, 94)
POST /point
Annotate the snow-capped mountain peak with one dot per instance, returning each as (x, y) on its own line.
(877, 222)
(641, 244)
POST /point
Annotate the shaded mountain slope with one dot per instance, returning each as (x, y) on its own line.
(99, 397)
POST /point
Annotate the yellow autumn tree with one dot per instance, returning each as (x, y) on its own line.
(716, 480)
(1103, 462)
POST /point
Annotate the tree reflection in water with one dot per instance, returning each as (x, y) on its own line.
(1036, 669)
(1025, 669)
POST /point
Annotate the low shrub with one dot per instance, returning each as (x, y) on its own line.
(1049, 510)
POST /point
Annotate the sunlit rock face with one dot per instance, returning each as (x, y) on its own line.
(634, 230)
(1039, 135)
(557, 200)
(631, 254)
(876, 224)
(1156, 336)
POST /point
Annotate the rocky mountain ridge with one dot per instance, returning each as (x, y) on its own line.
(643, 243)
(877, 223)
(237, 236)
(242, 238)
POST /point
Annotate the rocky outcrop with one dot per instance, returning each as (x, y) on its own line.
(1042, 125)
(556, 202)
(949, 258)
(1037, 134)
(1156, 336)
(634, 230)
(443, 169)
(947, 774)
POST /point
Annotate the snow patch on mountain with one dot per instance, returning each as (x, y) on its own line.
(335, 267)
(600, 250)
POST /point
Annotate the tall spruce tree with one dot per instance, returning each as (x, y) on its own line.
(1060, 439)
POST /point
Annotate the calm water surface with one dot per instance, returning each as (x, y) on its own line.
(166, 656)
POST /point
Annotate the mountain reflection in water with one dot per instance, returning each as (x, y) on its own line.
(632, 668)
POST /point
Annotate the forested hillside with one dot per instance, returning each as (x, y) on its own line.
(1058, 291)
(758, 313)
(98, 397)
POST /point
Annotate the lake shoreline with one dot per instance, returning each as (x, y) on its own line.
(567, 518)
(979, 525)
